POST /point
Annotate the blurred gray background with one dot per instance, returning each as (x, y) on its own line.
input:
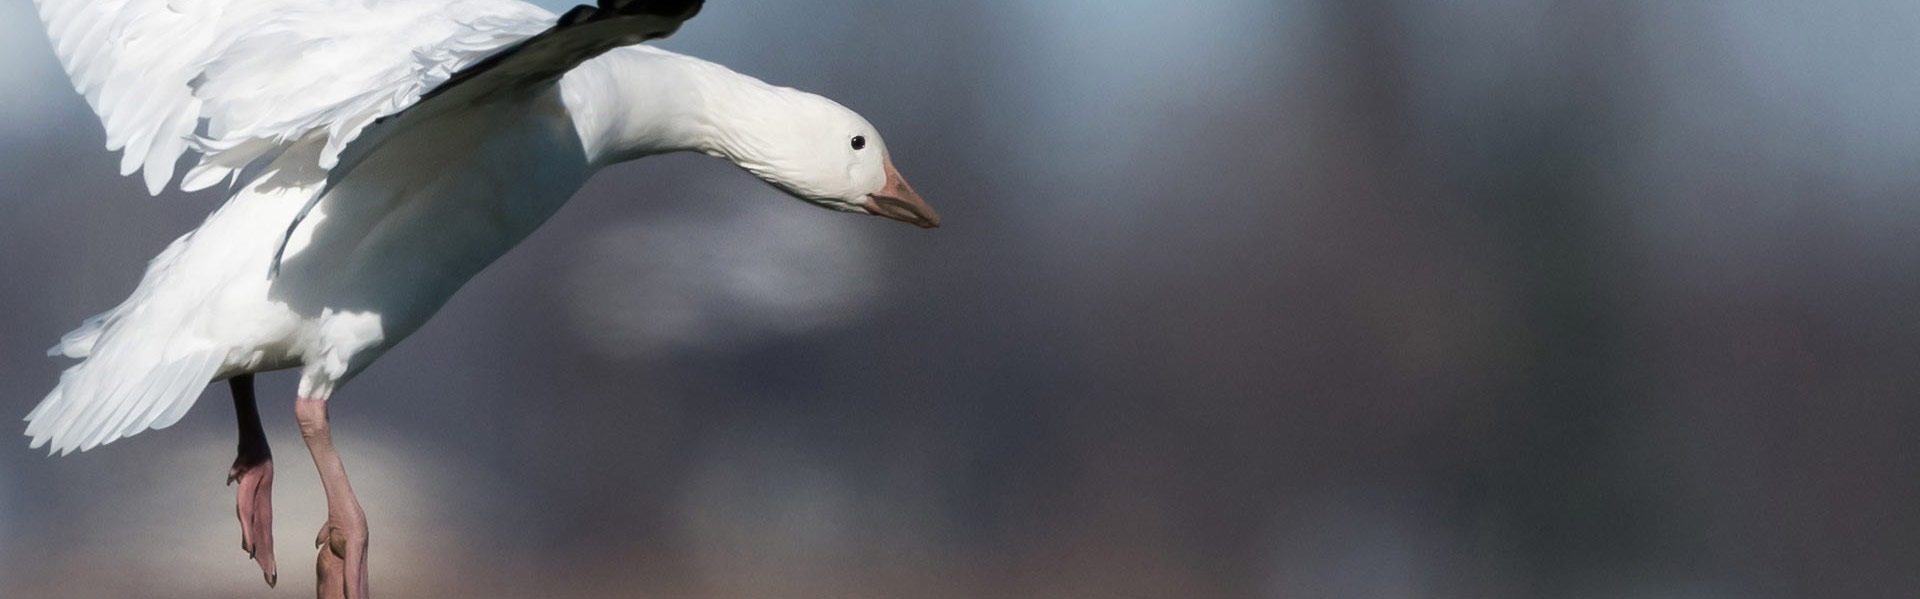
(1239, 298)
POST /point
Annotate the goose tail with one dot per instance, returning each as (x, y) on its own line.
(141, 368)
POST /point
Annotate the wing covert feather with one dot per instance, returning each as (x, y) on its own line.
(212, 77)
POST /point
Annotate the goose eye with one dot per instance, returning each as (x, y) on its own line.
(859, 142)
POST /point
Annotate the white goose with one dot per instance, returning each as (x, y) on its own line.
(383, 152)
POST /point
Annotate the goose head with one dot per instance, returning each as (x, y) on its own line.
(824, 154)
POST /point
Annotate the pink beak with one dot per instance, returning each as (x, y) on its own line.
(898, 202)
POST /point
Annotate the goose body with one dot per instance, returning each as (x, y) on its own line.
(368, 192)
(386, 247)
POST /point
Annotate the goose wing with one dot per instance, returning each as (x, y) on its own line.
(583, 33)
(579, 35)
(237, 80)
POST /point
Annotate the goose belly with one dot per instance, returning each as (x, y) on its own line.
(412, 223)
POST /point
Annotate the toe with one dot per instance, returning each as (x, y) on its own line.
(342, 563)
(253, 503)
(263, 548)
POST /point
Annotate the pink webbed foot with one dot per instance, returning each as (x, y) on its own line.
(253, 469)
(253, 502)
(342, 567)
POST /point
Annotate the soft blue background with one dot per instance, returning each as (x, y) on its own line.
(1239, 298)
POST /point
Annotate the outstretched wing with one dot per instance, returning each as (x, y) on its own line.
(583, 33)
(580, 35)
(238, 80)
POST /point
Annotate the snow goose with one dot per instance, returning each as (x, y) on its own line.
(380, 154)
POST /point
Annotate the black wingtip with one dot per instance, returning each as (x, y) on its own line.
(577, 15)
(678, 9)
(673, 9)
(672, 12)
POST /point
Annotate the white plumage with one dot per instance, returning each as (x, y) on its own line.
(384, 152)
(271, 94)
(264, 73)
(261, 76)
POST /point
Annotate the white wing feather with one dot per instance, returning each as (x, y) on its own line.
(251, 76)
(237, 81)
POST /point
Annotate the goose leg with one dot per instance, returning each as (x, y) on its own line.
(342, 567)
(253, 469)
